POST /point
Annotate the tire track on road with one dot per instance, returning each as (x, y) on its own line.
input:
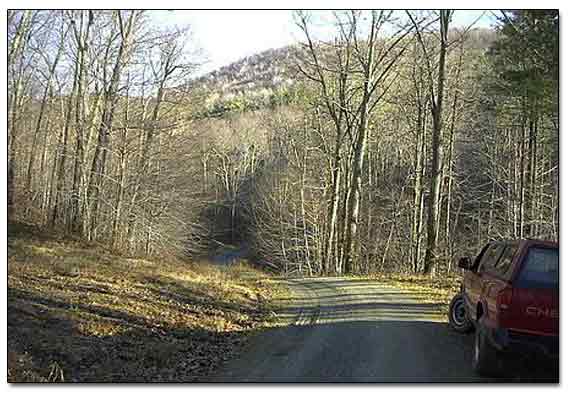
(351, 330)
(306, 315)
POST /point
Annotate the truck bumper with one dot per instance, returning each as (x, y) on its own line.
(522, 344)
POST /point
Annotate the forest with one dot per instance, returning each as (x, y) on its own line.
(398, 145)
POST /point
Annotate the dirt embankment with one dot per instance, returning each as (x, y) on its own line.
(78, 312)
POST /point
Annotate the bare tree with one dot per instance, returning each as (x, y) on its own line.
(436, 102)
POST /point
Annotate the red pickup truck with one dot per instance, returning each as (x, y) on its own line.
(510, 296)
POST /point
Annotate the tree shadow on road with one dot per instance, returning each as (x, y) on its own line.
(366, 338)
(365, 351)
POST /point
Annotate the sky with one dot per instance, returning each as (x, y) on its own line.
(227, 36)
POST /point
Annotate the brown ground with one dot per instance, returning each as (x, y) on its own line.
(78, 312)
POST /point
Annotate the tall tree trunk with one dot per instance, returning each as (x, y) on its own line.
(16, 48)
(59, 206)
(82, 39)
(43, 104)
(36, 135)
(109, 104)
(419, 171)
(450, 166)
(521, 178)
(436, 165)
(360, 150)
(334, 207)
(115, 239)
(356, 186)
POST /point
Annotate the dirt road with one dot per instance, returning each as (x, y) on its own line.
(348, 330)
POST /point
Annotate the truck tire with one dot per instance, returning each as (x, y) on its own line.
(486, 358)
(458, 316)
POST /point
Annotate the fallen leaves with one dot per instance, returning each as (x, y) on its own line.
(78, 313)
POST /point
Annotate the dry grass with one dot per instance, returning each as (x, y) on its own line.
(78, 312)
(438, 290)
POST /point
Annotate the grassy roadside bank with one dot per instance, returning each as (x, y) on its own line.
(78, 312)
(438, 290)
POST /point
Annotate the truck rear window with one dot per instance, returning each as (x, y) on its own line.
(540, 269)
(505, 262)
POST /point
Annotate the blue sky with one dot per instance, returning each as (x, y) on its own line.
(226, 36)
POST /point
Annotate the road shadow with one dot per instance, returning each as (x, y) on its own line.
(365, 352)
(377, 336)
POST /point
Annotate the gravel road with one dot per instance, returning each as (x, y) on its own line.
(349, 330)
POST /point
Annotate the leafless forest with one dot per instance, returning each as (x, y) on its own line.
(399, 144)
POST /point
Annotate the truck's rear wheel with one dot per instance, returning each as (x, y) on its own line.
(486, 360)
(458, 316)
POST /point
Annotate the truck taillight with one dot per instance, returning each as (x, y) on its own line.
(505, 298)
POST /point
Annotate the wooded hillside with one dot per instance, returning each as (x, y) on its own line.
(399, 144)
